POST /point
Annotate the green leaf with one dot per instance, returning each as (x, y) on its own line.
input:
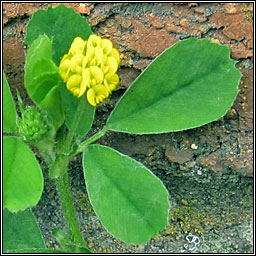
(62, 24)
(130, 201)
(190, 84)
(41, 74)
(41, 49)
(53, 105)
(21, 231)
(71, 105)
(9, 109)
(42, 80)
(22, 176)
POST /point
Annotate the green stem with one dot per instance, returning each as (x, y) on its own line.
(64, 190)
(63, 186)
(78, 115)
(67, 203)
(82, 146)
(62, 180)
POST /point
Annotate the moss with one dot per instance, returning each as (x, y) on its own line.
(184, 219)
(83, 201)
(246, 202)
(185, 202)
(173, 230)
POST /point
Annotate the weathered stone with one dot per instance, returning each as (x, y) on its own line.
(28, 8)
(148, 42)
(216, 41)
(238, 31)
(69, 5)
(192, 4)
(178, 156)
(235, 26)
(223, 20)
(141, 64)
(10, 10)
(172, 28)
(13, 65)
(85, 8)
(100, 14)
(199, 10)
(184, 23)
(127, 76)
(111, 28)
(219, 162)
(243, 164)
(202, 19)
(244, 102)
(248, 43)
(231, 114)
(126, 23)
(231, 8)
(20, 28)
(5, 19)
(212, 161)
(154, 21)
(240, 51)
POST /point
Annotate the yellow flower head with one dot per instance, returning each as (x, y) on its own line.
(90, 67)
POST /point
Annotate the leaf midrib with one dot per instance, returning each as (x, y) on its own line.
(100, 167)
(155, 102)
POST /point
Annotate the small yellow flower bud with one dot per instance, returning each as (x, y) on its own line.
(77, 46)
(64, 67)
(97, 74)
(112, 64)
(115, 54)
(76, 63)
(73, 84)
(107, 46)
(94, 41)
(98, 55)
(97, 94)
(111, 81)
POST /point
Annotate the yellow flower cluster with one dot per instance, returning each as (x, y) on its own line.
(90, 67)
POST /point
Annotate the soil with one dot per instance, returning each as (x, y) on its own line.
(208, 170)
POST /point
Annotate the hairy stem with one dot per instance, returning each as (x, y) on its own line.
(82, 146)
(62, 183)
(67, 203)
(74, 125)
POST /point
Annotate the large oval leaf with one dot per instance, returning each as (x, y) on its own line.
(129, 200)
(22, 176)
(9, 109)
(21, 231)
(62, 24)
(190, 84)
